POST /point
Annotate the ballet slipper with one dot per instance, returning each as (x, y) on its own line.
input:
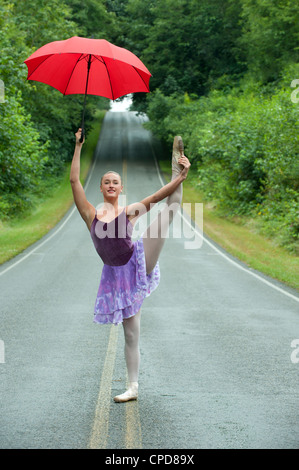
(177, 152)
(130, 394)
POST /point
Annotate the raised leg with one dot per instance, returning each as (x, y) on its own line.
(156, 233)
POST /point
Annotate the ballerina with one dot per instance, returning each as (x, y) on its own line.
(131, 269)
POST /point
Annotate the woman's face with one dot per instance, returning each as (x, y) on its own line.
(111, 185)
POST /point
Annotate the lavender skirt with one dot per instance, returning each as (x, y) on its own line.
(123, 289)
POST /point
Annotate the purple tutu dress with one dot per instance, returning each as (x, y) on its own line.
(124, 283)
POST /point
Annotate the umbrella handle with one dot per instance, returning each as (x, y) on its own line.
(82, 136)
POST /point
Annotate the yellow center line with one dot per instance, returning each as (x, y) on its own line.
(100, 430)
(133, 426)
(99, 435)
(133, 439)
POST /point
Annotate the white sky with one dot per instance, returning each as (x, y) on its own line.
(121, 105)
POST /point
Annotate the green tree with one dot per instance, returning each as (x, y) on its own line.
(53, 115)
(93, 19)
(186, 44)
(22, 156)
(37, 122)
(270, 36)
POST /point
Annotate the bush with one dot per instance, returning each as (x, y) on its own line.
(23, 164)
(244, 144)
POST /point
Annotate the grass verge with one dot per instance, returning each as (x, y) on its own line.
(241, 240)
(19, 233)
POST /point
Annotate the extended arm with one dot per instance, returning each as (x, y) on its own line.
(87, 210)
(139, 208)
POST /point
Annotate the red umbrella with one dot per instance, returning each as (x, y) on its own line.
(88, 66)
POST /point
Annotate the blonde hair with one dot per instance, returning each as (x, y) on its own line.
(110, 171)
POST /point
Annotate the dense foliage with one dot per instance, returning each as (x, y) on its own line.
(222, 74)
(37, 123)
(244, 145)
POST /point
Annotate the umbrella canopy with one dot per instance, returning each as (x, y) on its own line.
(88, 66)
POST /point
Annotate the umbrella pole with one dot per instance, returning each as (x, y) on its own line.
(82, 125)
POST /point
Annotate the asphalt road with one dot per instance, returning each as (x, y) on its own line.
(218, 369)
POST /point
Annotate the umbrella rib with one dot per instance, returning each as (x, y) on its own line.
(107, 73)
(79, 58)
(46, 58)
(136, 70)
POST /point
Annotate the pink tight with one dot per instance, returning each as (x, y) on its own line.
(152, 250)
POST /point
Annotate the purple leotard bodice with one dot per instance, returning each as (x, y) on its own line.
(112, 240)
